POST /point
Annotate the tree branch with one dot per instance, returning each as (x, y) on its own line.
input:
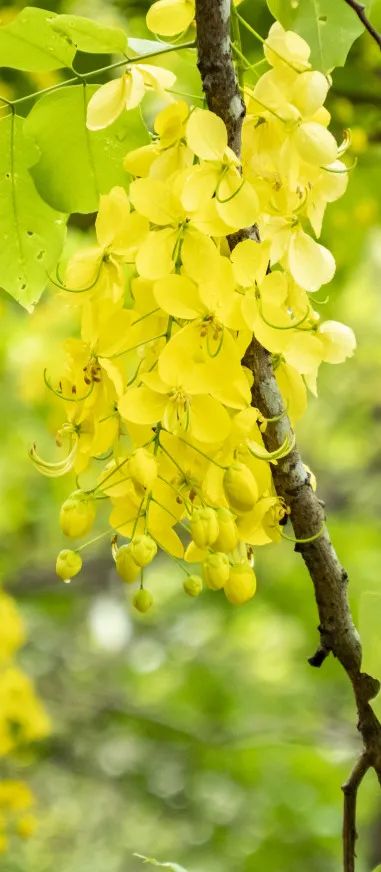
(359, 9)
(292, 481)
(350, 789)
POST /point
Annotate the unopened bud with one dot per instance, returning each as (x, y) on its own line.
(204, 526)
(68, 564)
(240, 487)
(143, 600)
(216, 570)
(77, 514)
(125, 564)
(241, 584)
(193, 585)
(143, 549)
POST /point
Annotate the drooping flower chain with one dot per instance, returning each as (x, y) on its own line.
(155, 385)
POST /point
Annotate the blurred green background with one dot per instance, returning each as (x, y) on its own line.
(199, 733)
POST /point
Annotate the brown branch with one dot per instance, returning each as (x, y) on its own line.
(350, 789)
(292, 481)
(359, 9)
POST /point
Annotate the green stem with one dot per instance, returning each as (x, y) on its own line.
(236, 43)
(304, 541)
(99, 71)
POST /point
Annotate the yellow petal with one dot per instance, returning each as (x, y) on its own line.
(135, 88)
(315, 144)
(199, 185)
(311, 265)
(139, 161)
(209, 421)
(305, 352)
(339, 341)
(178, 296)
(237, 202)
(274, 288)
(157, 78)
(194, 554)
(105, 106)
(284, 47)
(169, 123)
(293, 391)
(112, 368)
(165, 537)
(155, 255)
(250, 260)
(142, 406)
(169, 17)
(206, 135)
(114, 208)
(123, 515)
(84, 270)
(154, 199)
(199, 255)
(208, 221)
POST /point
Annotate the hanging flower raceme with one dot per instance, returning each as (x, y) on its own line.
(155, 390)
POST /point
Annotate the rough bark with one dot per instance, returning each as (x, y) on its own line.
(292, 482)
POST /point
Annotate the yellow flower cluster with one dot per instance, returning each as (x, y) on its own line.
(22, 720)
(155, 387)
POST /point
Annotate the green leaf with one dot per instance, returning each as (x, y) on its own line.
(90, 36)
(29, 42)
(77, 165)
(31, 233)
(330, 28)
(172, 867)
(370, 631)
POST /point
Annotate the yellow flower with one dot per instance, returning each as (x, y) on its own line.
(178, 406)
(111, 99)
(169, 153)
(217, 175)
(98, 269)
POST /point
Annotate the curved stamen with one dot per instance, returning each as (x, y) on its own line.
(61, 396)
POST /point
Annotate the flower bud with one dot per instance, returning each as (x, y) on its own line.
(204, 526)
(68, 564)
(193, 585)
(125, 564)
(241, 584)
(228, 535)
(143, 549)
(216, 570)
(240, 487)
(143, 600)
(77, 514)
(143, 468)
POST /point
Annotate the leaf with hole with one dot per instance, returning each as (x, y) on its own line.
(31, 233)
(90, 36)
(330, 28)
(30, 43)
(76, 165)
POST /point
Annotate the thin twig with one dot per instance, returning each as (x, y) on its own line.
(350, 789)
(359, 9)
